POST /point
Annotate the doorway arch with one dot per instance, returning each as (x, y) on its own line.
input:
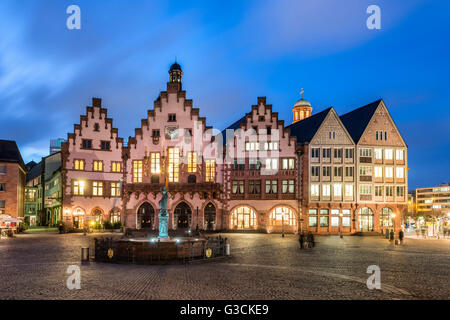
(366, 219)
(210, 216)
(243, 217)
(146, 215)
(183, 215)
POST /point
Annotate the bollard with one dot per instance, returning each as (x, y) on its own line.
(227, 249)
(85, 254)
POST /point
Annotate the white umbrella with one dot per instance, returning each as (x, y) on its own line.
(4, 218)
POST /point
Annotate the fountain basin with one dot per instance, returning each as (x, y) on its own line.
(158, 250)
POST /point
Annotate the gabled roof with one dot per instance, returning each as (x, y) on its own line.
(9, 152)
(306, 129)
(357, 120)
(30, 165)
(34, 172)
(234, 126)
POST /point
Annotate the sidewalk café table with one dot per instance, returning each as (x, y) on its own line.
(8, 223)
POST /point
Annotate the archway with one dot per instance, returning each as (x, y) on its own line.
(281, 215)
(243, 217)
(183, 215)
(365, 219)
(210, 216)
(386, 217)
(97, 215)
(146, 214)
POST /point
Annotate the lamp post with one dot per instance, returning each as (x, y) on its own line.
(340, 225)
(282, 224)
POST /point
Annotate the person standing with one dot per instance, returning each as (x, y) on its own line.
(301, 240)
(311, 239)
(391, 235)
(401, 235)
(60, 228)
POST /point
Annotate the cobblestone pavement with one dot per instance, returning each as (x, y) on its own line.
(262, 266)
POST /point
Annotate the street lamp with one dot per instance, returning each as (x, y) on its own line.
(282, 224)
(340, 225)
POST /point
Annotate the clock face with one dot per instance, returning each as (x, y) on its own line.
(171, 132)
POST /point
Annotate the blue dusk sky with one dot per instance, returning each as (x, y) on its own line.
(231, 52)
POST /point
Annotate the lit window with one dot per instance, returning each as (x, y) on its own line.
(238, 187)
(192, 162)
(98, 165)
(378, 172)
(243, 218)
(348, 190)
(378, 154)
(78, 165)
(399, 172)
(116, 166)
(115, 189)
(137, 171)
(346, 221)
(78, 187)
(365, 171)
(282, 215)
(288, 164)
(399, 155)
(174, 164)
(155, 163)
(210, 170)
(388, 154)
(288, 186)
(335, 221)
(314, 190)
(337, 188)
(97, 188)
(251, 146)
(272, 186)
(272, 163)
(324, 221)
(312, 221)
(389, 172)
(326, 189)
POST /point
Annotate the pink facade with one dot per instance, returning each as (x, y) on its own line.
(87, 164)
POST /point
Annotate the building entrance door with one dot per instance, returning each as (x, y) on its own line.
(210, 216)
(183, 215)
(146, 215)
(366, 219)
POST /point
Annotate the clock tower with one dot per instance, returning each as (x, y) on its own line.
(176, 75)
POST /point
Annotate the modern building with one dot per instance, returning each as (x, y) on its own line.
(12, 180)
(434, 201)
(55, 145)
(324, 173)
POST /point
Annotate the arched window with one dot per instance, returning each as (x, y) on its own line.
(365, 219)
(281, 215)
(146, 215)
(243, 218)
(97, 214)
(386, 217)
(115, 216)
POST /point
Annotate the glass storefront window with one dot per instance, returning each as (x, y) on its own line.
(313, 221)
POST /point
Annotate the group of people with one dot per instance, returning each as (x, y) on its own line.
(306, 240)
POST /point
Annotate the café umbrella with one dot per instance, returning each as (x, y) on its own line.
(4, 218)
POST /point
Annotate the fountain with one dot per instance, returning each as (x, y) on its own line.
(161, 249)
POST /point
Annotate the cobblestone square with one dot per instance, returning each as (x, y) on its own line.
(262, 266)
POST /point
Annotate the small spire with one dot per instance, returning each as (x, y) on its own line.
(301, 92)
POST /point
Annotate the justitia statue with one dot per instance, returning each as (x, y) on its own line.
(163, 214)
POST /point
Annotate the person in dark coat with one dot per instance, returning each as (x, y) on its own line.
(301, 239)
(391, 235)
(401, 235)
(60, 228)
(311, 239)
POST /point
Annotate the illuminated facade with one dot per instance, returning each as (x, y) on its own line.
(433, 201)
(323, 173)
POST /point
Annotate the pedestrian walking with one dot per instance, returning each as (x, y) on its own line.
(301, 240)
(401, 235)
